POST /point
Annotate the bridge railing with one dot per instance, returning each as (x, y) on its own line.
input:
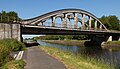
(68, 26)
(59, 25)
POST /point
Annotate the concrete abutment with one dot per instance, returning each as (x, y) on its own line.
(10, 30)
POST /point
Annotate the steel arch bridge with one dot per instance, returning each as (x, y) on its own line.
(82, 20)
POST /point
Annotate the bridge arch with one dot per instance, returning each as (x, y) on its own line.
(85, 18)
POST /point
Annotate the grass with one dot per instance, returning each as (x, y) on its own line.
(12, 44)
(113, 42)
(14, 64)
(6, 47)
(72, 61)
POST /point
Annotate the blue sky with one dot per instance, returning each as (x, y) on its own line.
(32, 8)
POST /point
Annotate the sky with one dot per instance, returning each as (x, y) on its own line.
(31, 8)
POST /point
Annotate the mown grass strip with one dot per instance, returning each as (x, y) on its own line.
(113, 42)
(72, 61)
(14, 64)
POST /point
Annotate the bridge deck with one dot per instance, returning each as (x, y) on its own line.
(27, 29)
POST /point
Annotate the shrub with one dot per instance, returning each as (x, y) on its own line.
(7, 46)
(4, 52)
(13, 44)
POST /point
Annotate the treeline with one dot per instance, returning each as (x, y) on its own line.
(111, 22)
(9, 16)
(62, 37)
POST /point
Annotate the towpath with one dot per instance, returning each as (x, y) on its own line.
(37, 59)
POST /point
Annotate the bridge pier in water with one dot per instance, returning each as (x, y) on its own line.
(98, 40)
(109, 38)
(113, 38)
(95, 40)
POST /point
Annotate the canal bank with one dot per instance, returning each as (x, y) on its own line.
(112, 58)
(111, 44)
(72, 61)
(67, 42)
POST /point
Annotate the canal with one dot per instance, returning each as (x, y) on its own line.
(112, 57)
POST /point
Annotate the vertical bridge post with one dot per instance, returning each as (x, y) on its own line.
(53, 21)
(90, 19)
(64, 21)
(95, 24)
(83, 20)
(75, 21)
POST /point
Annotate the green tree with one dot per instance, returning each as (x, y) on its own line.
(9, 16)
(13, 16)
(4, 16)
(105, 21)
(111, 22)
(114, 21)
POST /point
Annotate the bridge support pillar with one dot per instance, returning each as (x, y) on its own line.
(10, 30)
(109, 38)
(96, 40)
(119, 39)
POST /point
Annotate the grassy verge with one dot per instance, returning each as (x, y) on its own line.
(6, 47)
(67, 42)
(113, 42)
(14, 64)
(72, 61)
(112, 46)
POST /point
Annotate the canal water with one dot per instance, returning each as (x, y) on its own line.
(111, 57)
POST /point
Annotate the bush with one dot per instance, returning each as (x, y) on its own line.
(6, 47)
(4, 52)
(13, 44)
